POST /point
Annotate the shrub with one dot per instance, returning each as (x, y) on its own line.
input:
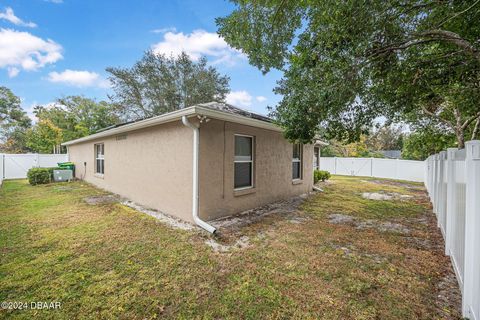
(320, 175)
(39, 175)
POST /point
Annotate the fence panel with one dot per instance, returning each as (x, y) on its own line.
(375, 167)
(352, 166)
(410, 170)
(328, 164)
(51, 160)
(15, 166)
(453, 184)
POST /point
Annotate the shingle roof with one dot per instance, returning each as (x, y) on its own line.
(221, 106)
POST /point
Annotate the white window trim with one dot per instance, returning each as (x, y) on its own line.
(299, 160)
(252, 183)
(101, 157)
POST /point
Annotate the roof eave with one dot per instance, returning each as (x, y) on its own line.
(169, 117)
(176, 115)
(236, 118)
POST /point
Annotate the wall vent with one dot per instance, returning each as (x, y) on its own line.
(121, 137)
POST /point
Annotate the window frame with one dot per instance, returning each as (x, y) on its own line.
(316, 158)
(99, 158)
(298, 160)
(252, 161)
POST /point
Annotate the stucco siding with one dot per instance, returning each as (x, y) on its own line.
(152, 167)
(272, 169)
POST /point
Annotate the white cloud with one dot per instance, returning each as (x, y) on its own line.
(196, 44)
(261, 99)
(29, 109)
(163, 30)
(239, 98)
(54, 1)
(22, 50)
(10, 16)
(78, 78)
(12, 72)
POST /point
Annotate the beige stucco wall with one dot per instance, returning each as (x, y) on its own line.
(272, 169)
(151, 166)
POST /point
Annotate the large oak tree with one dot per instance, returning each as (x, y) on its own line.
(347, 62)
(14, 123)
(158, 84)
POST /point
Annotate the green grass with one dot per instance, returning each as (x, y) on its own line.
(109, 261)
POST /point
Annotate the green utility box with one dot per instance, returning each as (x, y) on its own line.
(67, 166)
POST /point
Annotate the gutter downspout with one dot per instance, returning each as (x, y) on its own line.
(196, 140)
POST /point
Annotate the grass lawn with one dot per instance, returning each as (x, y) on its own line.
(109, 261)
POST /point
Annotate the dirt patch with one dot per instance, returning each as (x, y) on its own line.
(396, 184)
(241, 243)
(162, 217)
(287, 209)
(105, 199)
(351, 251)
(64, 188)
(449, 299)
(385, 196)
(361, 224)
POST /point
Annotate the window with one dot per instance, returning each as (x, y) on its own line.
(243, 162)
(297, 162)
(99, 159)
(316, 158)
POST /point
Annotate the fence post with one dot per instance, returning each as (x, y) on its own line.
(441, 189)
(451, 199)
(371, 167)
(435, 183)
(335, 165)
(472, 226)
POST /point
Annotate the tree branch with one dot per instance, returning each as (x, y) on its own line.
(457, 14)
(453, 38)
(433, 115)
(469, 121)
(475, 129)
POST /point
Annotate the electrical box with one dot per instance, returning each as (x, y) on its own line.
(62, 175)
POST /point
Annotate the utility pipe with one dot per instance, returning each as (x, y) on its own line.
(196, 140)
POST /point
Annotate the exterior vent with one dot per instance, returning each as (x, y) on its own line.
(121, 137)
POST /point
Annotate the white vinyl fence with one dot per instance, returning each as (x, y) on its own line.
(374, 167)
(453, 183)
(15, 166)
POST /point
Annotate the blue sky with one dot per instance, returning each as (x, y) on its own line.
(55, 48)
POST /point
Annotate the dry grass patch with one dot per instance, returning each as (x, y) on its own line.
(110, 261)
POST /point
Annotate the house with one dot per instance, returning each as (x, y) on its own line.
(199, 163)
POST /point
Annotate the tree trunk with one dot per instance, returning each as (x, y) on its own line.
(475, 130)
(460, 133)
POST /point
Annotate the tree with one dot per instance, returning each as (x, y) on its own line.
(346, 63)
(421, 144)
(44, 137)
(386, 137)
(158, 84)
(14, 122)
(77, 116)
(357, 149)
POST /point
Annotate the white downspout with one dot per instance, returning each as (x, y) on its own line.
(196, 140)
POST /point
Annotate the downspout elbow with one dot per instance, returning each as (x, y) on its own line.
(196, 140)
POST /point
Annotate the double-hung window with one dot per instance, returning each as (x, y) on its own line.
(297, 162)
(99, 159)
(243, 162)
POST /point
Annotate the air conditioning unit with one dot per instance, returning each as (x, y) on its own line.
(62, 175)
